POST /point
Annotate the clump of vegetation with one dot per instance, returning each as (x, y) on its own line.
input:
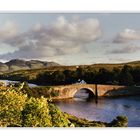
(46, 92)
(59, 119)
(17, 109)
(120, 121)
(36, 113)
(12, 103)
(36, 92)
(79, 122)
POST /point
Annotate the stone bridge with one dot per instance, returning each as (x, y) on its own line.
(68, 91)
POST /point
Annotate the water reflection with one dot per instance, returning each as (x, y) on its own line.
(85, 95)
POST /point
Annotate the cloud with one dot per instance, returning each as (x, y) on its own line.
(128, 49)
(9, 30)
(127, 35)
(58, 38)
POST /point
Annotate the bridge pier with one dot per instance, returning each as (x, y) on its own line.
(96, 94)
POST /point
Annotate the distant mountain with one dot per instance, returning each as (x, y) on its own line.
(17, 64)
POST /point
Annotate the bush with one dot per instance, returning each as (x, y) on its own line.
(36, 113)
(120, 121)
(11, 105)
(37, 92)
(59, 119)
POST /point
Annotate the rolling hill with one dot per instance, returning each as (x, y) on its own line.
(17, 64)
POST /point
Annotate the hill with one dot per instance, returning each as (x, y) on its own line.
(17, 64)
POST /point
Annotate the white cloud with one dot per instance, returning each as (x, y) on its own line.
(5, 48)
(9, 30)
(58, 38)
(127, 35)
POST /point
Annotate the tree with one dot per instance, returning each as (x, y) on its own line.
(115, 75)
(58, 78)
(136, 75)
(90, 76)
(125, 77)
(69, 76)
(44, 78)
(103, 76)
(80, 73)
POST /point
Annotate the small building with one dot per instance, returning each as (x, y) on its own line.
(80, 81)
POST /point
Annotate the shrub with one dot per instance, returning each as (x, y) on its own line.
(11, 105)
(37, 92)
(36, 113)
(120, 121)
(59, 119)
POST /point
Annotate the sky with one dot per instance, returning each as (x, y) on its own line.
(70, 39)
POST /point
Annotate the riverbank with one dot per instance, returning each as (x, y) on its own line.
(119, 121)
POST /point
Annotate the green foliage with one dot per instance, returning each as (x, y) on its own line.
(79, 122)
(58, 77)
(136, 75)
(120, 121)
(125, 77)
(37, 92)
(59, 119)
(36, 113)
(11, 105)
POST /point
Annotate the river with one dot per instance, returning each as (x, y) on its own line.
(106, 109)
(9, 81)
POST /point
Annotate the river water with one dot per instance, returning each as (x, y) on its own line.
(106, 109)
(8, 81)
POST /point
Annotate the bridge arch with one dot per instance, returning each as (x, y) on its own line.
(87, 92)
